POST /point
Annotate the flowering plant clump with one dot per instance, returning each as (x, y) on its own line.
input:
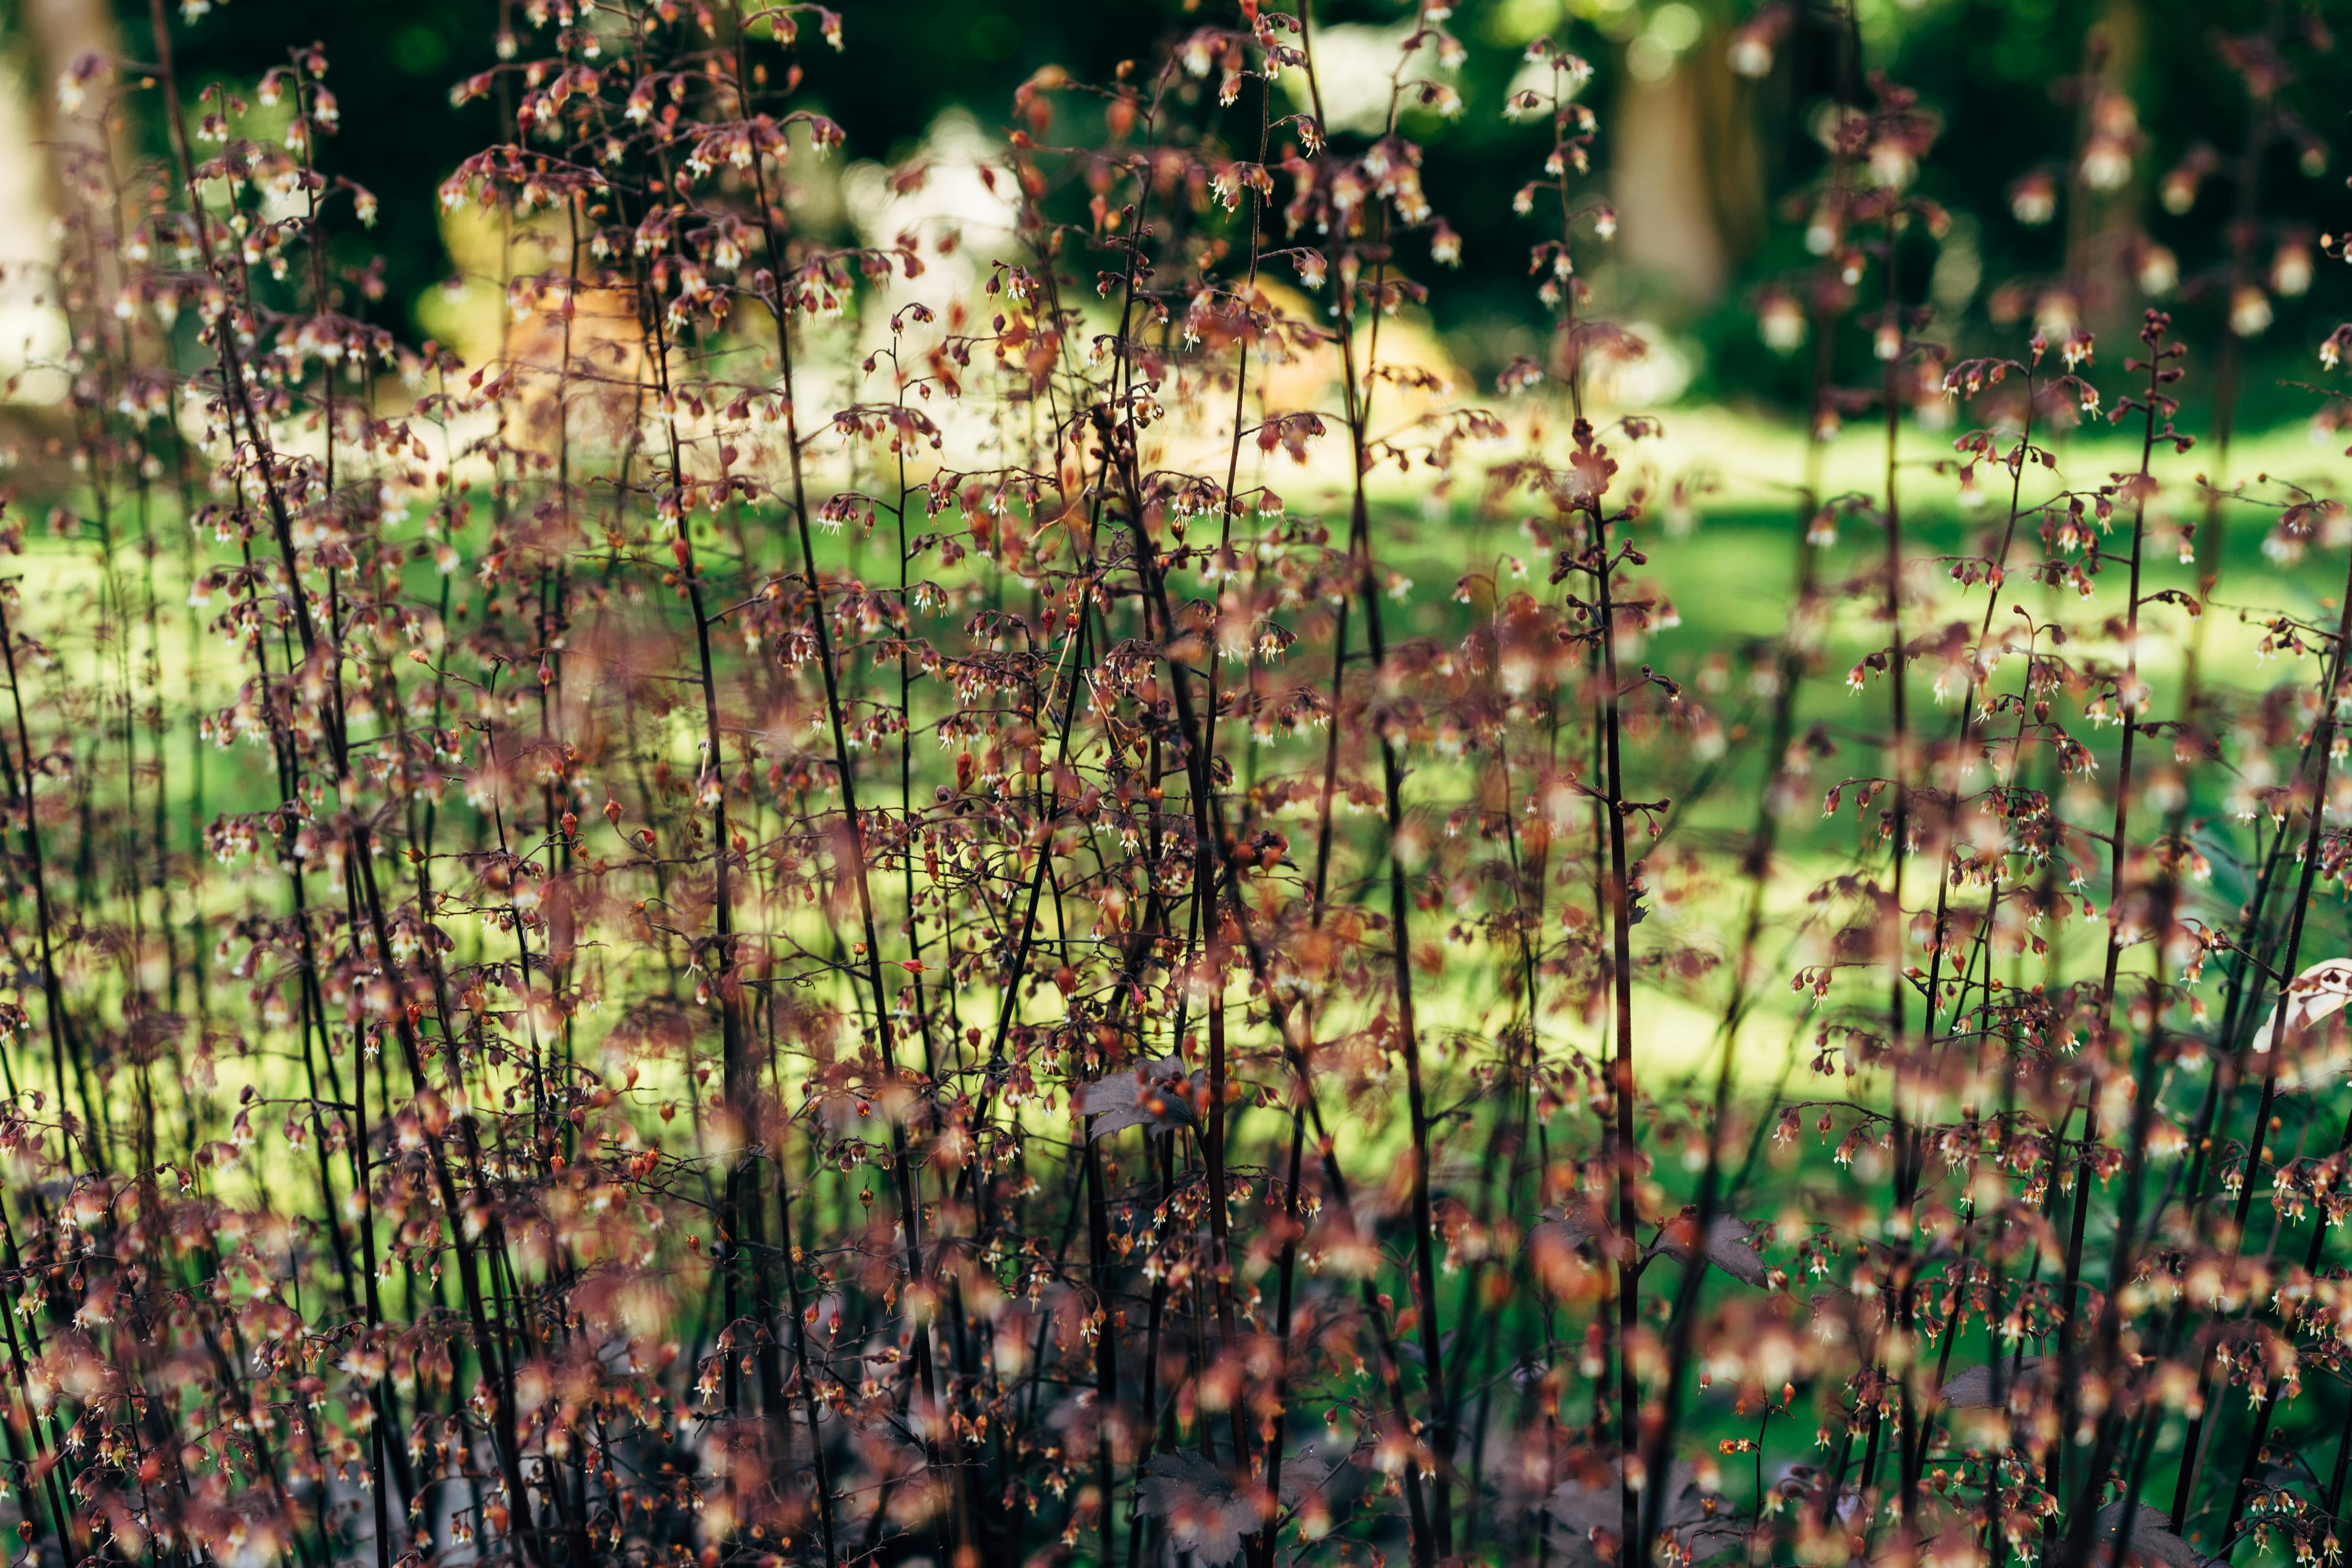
(836, 899)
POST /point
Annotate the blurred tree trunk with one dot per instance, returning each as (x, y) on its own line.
(57, 34)
(46, 157)
(1685, 174)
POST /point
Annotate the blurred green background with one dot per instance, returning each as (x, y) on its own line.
(1710, 168)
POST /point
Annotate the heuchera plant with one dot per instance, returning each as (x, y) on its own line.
(842, 906)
